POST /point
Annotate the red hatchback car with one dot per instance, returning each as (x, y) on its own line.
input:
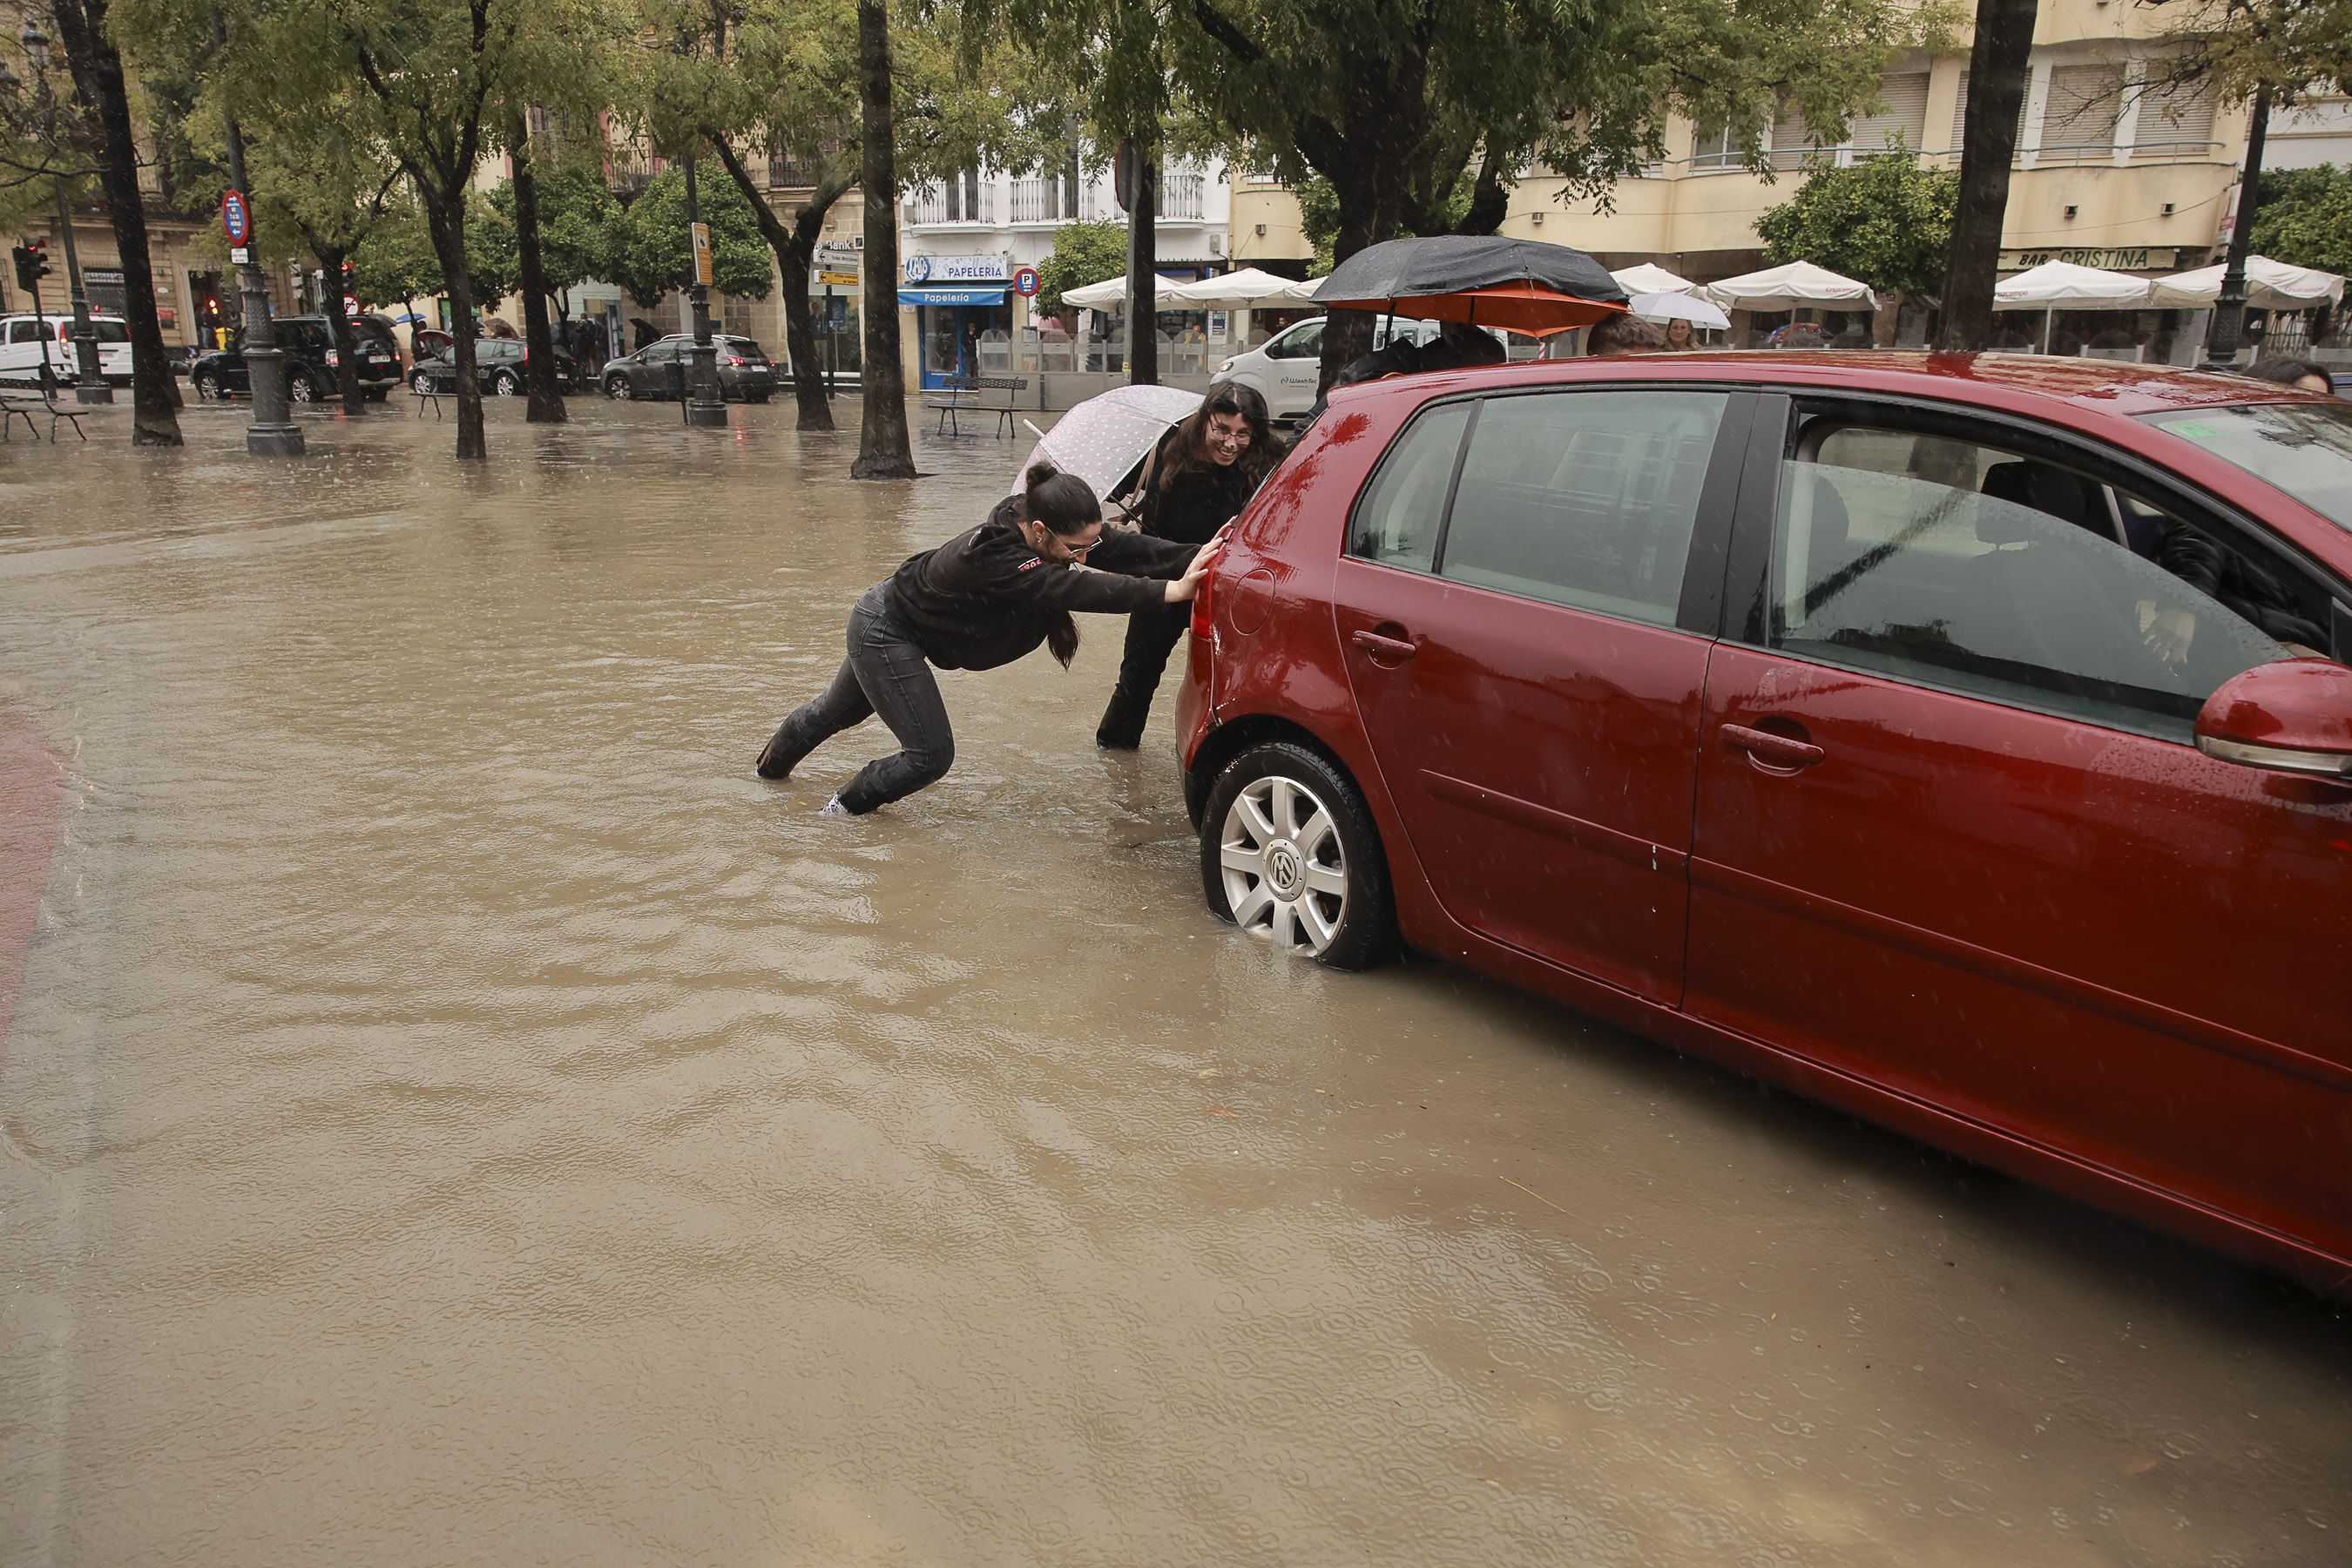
(1962, 741)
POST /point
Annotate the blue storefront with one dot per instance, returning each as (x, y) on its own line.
(956, 300)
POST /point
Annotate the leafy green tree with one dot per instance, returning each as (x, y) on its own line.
(2304, 218)
(395, 260)
(315, 183)
(576, 212)
(1084, 253)
(1884, 220)
(651, 254)
(492, 261)
(1398, 104)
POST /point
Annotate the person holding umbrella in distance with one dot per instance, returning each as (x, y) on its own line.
(985, 598)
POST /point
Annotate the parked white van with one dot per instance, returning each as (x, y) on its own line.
(21, 340)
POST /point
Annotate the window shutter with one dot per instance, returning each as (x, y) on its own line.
(1793, 142)
(1904, 117)
(2175, 116)
(2084, 105)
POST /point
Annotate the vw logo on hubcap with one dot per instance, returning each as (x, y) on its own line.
(1285, 872)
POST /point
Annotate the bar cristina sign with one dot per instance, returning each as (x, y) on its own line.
(2116, 259)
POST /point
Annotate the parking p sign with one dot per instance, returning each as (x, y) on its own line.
(1025, 282)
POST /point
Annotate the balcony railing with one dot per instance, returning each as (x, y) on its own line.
(1181, 196)
(932, 206)
(1043, 200)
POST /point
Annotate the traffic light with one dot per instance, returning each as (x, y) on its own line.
(32, 258)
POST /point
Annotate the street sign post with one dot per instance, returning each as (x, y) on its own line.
(236, 218)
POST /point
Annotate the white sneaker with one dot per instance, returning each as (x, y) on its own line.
(835, 808)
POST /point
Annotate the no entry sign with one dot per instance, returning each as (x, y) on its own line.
(237, 219)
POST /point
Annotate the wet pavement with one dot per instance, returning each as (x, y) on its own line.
(453, 1113)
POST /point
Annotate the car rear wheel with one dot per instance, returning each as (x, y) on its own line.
(420, 384)
(207, 387)
(505, 384)
(300, 388)
(617, 386)
(1288, 853)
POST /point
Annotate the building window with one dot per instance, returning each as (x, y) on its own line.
(2079, 115)
(1901, 120)
(2175, 124)
(1716, 151)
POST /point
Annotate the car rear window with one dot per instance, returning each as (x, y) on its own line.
(2302, 448)
(111, 332)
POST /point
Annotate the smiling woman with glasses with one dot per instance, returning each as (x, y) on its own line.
(986, 597)
(1203, 472)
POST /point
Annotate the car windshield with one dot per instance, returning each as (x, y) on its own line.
(2302, 448)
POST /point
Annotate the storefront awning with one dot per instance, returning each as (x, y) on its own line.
(986, 295)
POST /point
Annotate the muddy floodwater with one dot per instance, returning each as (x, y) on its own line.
(452, 1112)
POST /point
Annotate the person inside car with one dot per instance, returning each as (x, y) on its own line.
(985, 598)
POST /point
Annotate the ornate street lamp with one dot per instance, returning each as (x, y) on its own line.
(90, 382)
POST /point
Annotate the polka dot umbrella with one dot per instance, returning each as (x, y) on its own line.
(1102, 440)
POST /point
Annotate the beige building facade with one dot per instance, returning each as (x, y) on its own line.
(2114, 169)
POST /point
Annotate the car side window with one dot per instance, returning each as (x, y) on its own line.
(1397, 522)
(2000, 577)
(1586, 498)
(659, 353)
(24, 332)
(1307, 342)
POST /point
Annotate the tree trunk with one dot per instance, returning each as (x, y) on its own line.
(793, 248)
(1997, 69)
(1143, 269)
(445, 216)
(546, 405)
(339, 326)
(883, 450)
(98, 73)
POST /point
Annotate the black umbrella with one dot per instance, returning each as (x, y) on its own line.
(1522, 284)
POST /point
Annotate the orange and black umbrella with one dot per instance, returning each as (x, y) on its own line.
(1520, 284)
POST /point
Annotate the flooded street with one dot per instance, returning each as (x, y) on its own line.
(453, 1112)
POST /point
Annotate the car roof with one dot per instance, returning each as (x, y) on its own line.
(2010, 381)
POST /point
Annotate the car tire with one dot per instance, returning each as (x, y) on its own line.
(300, 388)
(208, 387)
(617, 388)
(506, 383)
(1290, 854)
(420, 384)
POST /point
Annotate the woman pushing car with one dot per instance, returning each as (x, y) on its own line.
(986, 597)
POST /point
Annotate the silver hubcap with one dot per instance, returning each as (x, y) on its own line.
(1285, 875)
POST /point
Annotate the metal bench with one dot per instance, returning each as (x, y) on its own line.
(22, 408)
(957, 388)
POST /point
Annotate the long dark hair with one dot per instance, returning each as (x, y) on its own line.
(1187, 451)
(1066, 504)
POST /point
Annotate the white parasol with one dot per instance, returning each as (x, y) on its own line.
(1648, 278)
(1679, 307)
(1111, 293)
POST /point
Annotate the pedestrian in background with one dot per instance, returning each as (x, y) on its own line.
(985, 598)
(1621, 334)
(1201, 473)
(2300, 373)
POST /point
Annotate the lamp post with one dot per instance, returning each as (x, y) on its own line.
(90, 382)
(2228, 330)
(704, 405)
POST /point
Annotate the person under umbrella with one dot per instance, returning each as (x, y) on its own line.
(985, 598)
(1201, 473)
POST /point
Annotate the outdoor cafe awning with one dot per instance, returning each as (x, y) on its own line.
(1797, 285)
(2270, 285)
(1111, 293)
(2064, 286)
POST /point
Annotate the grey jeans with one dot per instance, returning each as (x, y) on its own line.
(887, 674)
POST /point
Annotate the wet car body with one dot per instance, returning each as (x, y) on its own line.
(657, 371)
(2049, 930)
(311, 359)
(501, 367)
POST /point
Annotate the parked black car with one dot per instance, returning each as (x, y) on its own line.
(310, 361)
(659, 369)
(498, 365)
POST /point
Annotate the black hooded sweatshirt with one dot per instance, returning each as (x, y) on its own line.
(984, 598)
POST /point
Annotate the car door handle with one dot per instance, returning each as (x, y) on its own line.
(1380, 646)
(1774, 751)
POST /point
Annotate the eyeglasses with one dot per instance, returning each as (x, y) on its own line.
(1229, 437)
(1077, 552)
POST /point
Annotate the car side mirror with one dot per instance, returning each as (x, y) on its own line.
(2291, 717)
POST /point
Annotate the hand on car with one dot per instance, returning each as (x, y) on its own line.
(1184, 587)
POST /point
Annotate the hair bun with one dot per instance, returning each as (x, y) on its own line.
(1039, 472)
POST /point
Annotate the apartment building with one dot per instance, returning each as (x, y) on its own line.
(2114, 169)
(961, 240)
